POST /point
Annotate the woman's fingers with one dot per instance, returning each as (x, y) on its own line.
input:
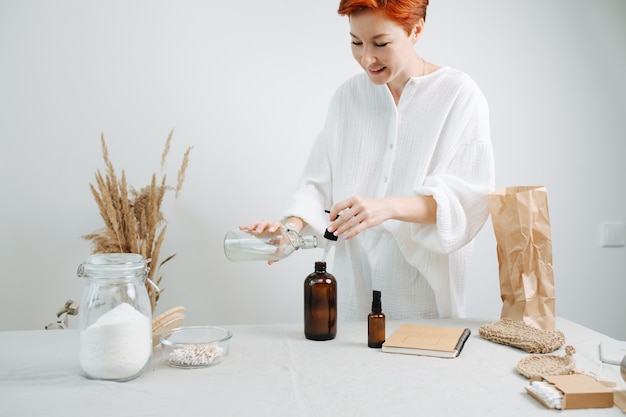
(261, 226)
(356, 214)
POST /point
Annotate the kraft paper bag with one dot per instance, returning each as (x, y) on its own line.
(521, 223)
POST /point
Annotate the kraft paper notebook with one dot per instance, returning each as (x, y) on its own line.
(436, 341)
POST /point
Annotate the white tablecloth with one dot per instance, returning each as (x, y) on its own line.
(272, 370)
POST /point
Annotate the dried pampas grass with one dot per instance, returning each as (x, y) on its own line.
(133, 222)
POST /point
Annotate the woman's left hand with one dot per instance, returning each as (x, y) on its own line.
(355, 214)
(351, 216)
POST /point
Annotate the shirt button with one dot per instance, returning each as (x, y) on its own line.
(385, 179)
(391, 146)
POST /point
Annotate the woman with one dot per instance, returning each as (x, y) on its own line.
(404, 163)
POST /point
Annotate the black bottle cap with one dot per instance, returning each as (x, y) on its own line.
(376, 304)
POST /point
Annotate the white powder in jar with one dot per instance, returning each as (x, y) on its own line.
(118, 345)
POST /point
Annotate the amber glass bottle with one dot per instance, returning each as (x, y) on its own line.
(320, 304)
(376, 323)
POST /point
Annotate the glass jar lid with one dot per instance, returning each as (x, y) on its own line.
(119, 265)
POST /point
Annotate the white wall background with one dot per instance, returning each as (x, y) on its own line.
(247, 84)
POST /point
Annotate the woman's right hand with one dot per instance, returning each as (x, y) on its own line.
(265, 228)
(261, 226)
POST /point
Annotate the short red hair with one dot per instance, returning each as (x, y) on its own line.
(407, 13)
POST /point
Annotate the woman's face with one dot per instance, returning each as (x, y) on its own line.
(382, 47)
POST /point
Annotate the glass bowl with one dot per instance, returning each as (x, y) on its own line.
(194, 346)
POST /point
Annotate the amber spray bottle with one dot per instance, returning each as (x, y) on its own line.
(376, 323)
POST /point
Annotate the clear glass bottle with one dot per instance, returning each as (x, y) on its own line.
(115, 317)
(320, 304)
(243, 245)
(376, 323)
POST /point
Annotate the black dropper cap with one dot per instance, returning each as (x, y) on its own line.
(328, 235)
(376, 304)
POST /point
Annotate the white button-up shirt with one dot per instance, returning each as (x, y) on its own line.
(435, 141)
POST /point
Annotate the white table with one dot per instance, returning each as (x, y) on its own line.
(272, 370)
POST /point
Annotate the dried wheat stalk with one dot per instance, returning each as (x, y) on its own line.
(133, 222)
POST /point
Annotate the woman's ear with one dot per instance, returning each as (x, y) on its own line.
(417, 30)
